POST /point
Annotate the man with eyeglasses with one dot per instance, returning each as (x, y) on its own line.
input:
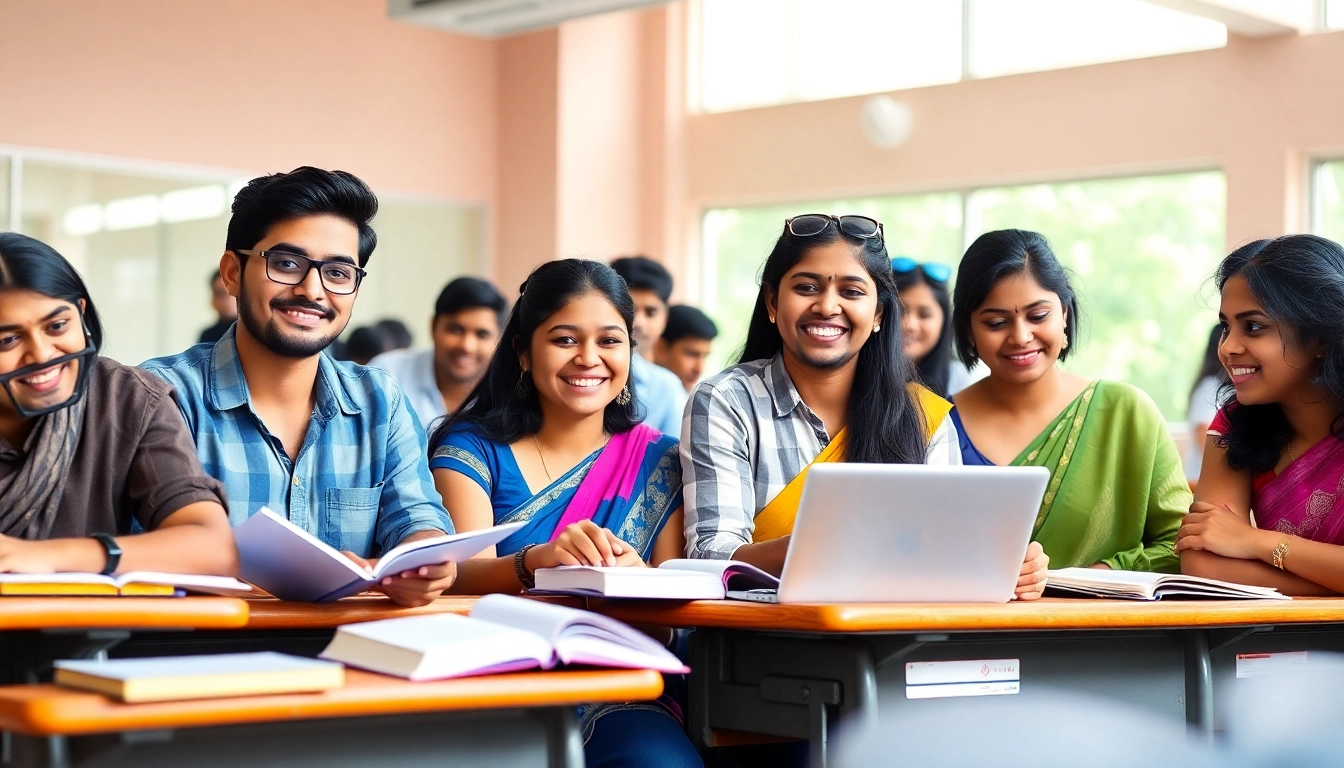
(332, 446)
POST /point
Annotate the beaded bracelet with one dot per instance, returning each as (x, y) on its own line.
(528, 580)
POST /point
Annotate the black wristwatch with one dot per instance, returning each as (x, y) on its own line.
(113, 552)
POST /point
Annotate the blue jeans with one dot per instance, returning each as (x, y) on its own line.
(641, 737)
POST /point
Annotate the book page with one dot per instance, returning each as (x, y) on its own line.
(290, 563)
(217, 585)
(735, 574)
(452, 548)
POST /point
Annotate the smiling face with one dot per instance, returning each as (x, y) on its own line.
(921, 321)
(1019, 329)
(826, 307)
(294, 321)
(35, 328)
(464, 342)
(579, 357)
(650, 319)
(1266, 366)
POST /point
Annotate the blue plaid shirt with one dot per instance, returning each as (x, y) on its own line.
(361, 481)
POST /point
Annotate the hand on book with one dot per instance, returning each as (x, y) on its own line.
(1031, 579)
(412, 588)
(583, 543)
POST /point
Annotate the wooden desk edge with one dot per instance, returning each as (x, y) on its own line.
(195, 612)
(49, 710)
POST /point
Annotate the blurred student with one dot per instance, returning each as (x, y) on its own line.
(332, 447)
(395, 334)
(926, 325)
(363, 344)
(550, 437)
(661, 395)
(822, 378)
(1203, 403)
(686, 343)
(89, 447)
(468, 316)
(1276, 451)
(226, 311)
(1117, 493)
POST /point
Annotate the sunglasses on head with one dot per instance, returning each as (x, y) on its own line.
(939, 273)
(810, 224)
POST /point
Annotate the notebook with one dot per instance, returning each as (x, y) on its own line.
(177, 678)
(679, 579)
(1139, 585)
(503, 633)
(292, 564)
(133, 584)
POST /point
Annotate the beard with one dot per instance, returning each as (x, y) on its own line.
(282, 343)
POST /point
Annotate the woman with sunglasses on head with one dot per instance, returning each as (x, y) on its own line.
(822, 378)
(90, 447)
(926, 325)
(1117, 491)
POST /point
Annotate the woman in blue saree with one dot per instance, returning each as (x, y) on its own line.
(550, 437)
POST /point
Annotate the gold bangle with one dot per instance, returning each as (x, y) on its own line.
(1280, 552)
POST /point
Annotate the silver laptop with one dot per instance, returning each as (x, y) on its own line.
(910, 533)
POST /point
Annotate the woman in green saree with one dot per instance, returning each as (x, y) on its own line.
(1117, 493)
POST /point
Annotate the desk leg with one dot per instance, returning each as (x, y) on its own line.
(816, 736)
(564, 742)
(1199, 685)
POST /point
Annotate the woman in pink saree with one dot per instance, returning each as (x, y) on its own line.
(1269, 505)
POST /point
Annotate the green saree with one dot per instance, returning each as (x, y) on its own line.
(1117, 492)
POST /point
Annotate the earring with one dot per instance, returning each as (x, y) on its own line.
(625, 397)
(1065, 345)
(524, 386)
(877, 328)
(772, 319)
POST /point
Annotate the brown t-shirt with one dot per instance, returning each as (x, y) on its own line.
(135, 459)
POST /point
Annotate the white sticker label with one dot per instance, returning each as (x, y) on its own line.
(943, 679)
(1256, 664)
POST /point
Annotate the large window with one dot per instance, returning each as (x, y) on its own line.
(1329, 200)
(147, 242)
(760, 52)
(1141, 250)
(1334, 14)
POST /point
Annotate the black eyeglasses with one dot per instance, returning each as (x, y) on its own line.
(286, 268)
(939, 273)
(810, 224)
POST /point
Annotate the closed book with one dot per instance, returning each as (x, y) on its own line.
(1142, 585)
(501, 634)
(176, 678)
(679, 579)
(133, 584)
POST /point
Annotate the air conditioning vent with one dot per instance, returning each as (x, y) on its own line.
(501, 18)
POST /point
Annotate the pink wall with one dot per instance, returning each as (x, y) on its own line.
(255, 85)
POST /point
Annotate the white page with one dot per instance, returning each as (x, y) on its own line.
(724, 569)
(448, 645)
(450, 548)
(290, 563)
(56, 578)
(191, 666)
(222, 585)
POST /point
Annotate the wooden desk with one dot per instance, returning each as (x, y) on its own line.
(787, 670)
(516, 719)
(267, 613)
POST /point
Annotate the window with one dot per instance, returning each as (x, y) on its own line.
(1141, 249)
(1329, 200)
(1334, 14)
(4, 194)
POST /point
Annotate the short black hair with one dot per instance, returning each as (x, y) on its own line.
(641, 273)
(365, 343)
(27, 264)
(687, 322)
(470, 293)
(216, 275)
(395, 333)
(306, 191)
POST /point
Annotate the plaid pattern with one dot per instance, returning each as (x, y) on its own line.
(746, 434)
(361, 481)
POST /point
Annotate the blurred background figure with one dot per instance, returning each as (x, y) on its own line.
(225, 307)
(686, 343)
(659, 393)
(363, 344)
(468, 318)
(926, 325)
(1203, 403)
(395, 334)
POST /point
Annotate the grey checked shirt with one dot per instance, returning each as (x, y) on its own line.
(746, 433)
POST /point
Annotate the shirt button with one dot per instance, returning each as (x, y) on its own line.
(297, 482)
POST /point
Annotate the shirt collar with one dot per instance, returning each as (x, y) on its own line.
(783, 395)
(227, 386)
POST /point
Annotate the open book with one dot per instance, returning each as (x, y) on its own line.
(503, 633)
(133, 584)
(292, 564)
(1141, 585)
(674, 580)
(175, 678)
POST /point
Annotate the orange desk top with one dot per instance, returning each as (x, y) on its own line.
(269, 613)
(1044, 614)
(46, 710)
(122, 613)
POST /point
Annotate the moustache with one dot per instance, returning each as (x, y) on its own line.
(326, 312)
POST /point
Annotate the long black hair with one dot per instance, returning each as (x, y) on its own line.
(934, 369)
(1299, 280)
(998, 255)
(885, 424)
(498, 406)
(32, 265)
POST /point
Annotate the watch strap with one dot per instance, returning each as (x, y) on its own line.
(113, 552)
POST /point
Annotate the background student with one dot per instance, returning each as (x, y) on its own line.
(225, 307)
(926, 325)
(467, 319)
(1204, 403)
(822, 378)
(550, 437)
(1117, 493)
(90, 447)
(686, 344)
(331, 446)
(1277, 450)
(662, 397)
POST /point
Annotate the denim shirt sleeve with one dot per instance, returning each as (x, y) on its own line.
(410, 503)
